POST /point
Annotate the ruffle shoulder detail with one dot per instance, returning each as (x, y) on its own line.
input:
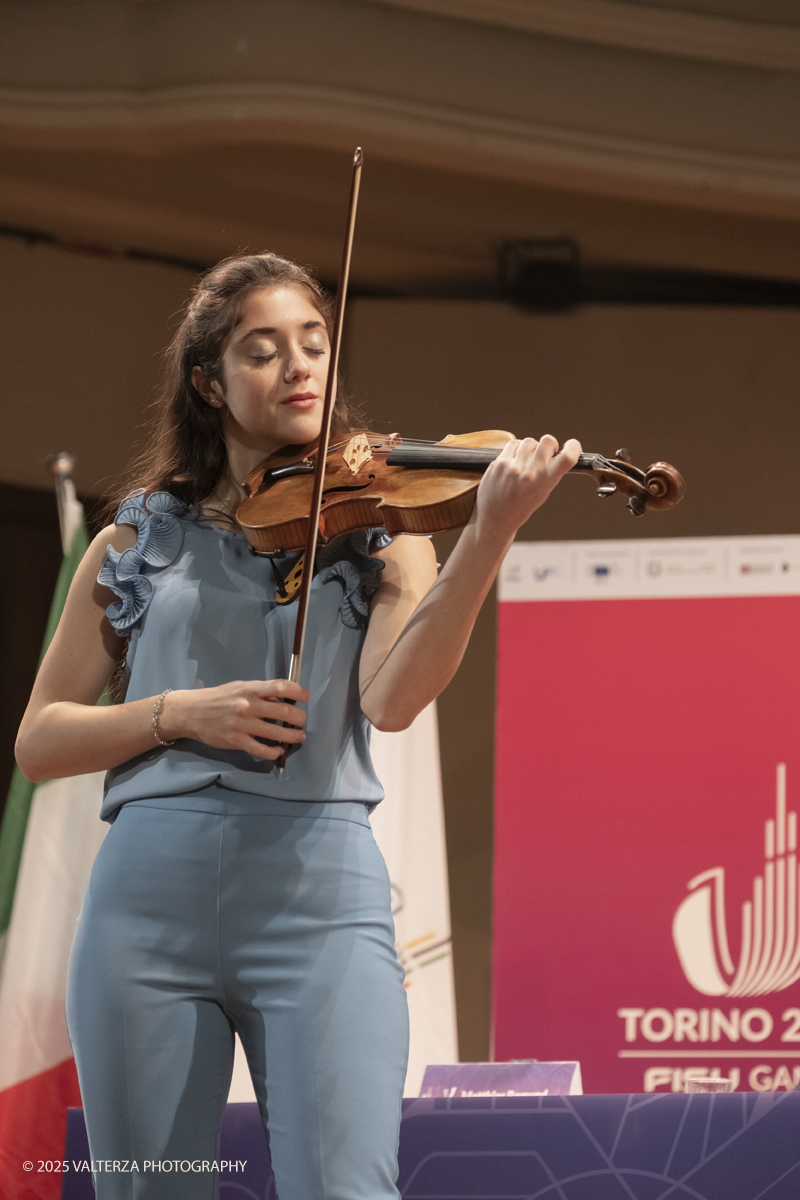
(158, 543)
(349, 560)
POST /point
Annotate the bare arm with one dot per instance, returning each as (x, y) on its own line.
(420, 625)
(63, 731)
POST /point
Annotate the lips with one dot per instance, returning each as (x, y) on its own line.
(300, 398)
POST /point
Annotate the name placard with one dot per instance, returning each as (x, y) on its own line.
(503, 1079)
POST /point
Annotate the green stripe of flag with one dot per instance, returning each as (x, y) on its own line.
(20, 794)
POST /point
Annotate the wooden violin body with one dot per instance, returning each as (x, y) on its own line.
(412, 487)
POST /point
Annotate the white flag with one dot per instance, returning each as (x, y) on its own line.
(409, 828)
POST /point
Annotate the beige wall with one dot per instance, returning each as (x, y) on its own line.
(713, 392)
(80, 340)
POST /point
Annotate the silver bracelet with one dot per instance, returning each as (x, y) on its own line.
(156, 715)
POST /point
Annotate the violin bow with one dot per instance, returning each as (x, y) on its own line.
(325, 435)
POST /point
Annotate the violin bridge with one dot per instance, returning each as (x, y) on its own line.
(357, 452)
(291, 584)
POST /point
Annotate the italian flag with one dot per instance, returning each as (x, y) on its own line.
(48, 840)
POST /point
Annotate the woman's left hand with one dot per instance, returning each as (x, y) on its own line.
(519, 481)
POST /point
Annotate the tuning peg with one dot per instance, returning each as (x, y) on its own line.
(606, 489)
(637, 506)
(624, 455)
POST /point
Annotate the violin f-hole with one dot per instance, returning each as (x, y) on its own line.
(348, 487)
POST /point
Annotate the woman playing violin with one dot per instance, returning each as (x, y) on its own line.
(229, 896)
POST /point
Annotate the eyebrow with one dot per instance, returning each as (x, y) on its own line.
(268, 329)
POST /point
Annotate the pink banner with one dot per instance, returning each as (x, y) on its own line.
(647, 902)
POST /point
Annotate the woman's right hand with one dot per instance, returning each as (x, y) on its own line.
(236, 715)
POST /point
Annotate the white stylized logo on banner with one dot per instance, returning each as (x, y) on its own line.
(769, 958)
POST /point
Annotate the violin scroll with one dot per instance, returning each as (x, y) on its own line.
(665, 485)
(661, 486)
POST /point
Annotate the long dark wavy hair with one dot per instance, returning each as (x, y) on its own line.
(185, 453)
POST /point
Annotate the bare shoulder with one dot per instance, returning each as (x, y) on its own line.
(85, 589)
(118, 537)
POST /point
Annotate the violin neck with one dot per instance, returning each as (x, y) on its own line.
(464, 458)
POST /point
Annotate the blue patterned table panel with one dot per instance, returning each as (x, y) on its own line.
(657, 1147)
(740, 1147)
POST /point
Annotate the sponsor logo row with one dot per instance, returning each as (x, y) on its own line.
(651, 567)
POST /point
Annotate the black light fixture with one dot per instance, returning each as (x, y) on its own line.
(546, 275)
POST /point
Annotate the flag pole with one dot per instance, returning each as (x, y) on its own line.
(62, 465)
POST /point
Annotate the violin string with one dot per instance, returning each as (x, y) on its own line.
(387, 449)
(407, 442)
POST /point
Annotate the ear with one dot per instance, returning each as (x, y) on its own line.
(209, 389)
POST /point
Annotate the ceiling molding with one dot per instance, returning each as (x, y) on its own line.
(93, 218)
(440, 136)
(632, 26)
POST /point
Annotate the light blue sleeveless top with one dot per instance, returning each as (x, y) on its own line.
(201, 610)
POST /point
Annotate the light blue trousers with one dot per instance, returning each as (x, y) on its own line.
(275, 923)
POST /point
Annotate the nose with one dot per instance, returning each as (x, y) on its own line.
(297, 367)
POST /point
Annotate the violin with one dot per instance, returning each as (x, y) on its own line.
(411, 487)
